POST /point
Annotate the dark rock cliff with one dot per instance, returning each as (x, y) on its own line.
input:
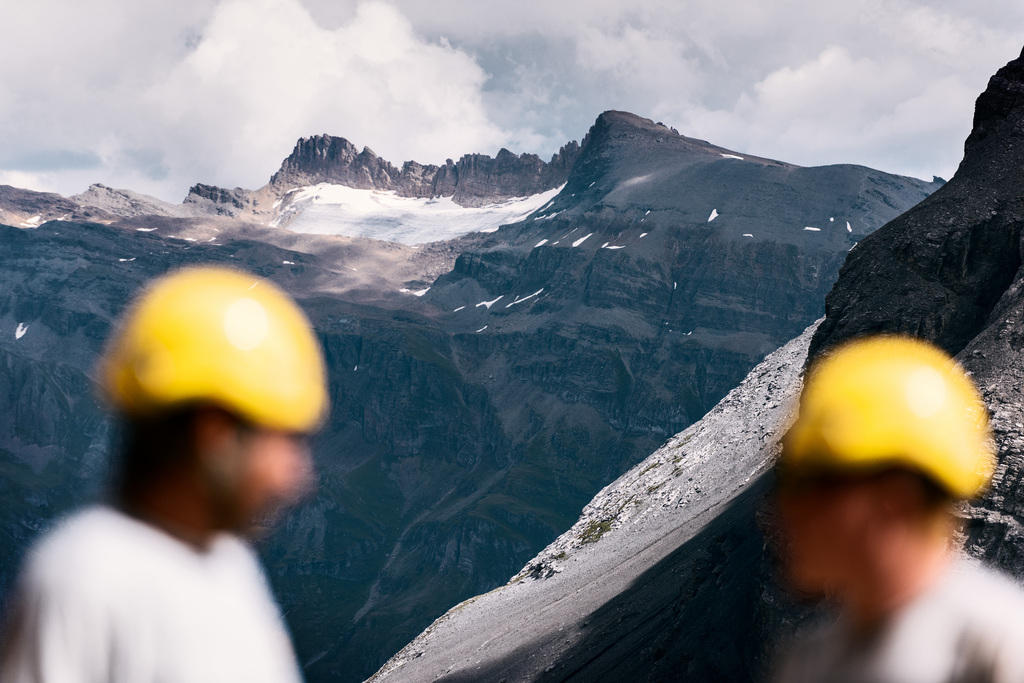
(218, 200)
(950, 272)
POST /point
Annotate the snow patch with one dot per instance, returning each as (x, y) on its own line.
(647, 213)
(416, 292)
(488, 304)
(831, 219)
(482, 329)
(747, 234)
(812, 229)
(287, 263)
(458, 309)
(848, 228)
(34, 220)
(582, 239)
(20, 331)
(144, 229)
(732, 156)
(636, 180)
(541, 243)
(643, 235)
(328, 209)
(519, 301)
(127, 260)
(713, 216)
(613, 246)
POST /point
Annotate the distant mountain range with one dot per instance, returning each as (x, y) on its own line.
(667, 573)
(524, 333)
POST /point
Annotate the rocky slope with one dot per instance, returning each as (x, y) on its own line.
(484, 388)
(628, 594)
(642, 586)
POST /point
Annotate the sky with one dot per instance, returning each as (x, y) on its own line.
(156, 96)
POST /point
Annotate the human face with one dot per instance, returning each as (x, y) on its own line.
(252, 474)
(277, 471)
(825, 524)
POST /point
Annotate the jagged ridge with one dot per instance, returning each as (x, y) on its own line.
(473, 180)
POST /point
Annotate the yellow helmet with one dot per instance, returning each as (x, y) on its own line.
(212, 334)
(893, 401)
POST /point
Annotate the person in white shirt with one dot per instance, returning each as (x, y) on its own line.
(217, 379)
(891, 437)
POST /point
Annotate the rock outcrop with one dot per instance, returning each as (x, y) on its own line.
(219, 201)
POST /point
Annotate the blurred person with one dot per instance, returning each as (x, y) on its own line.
(217, 378)
(891, 437)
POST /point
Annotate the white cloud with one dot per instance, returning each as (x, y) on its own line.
(806, 81)
(265, 73)
(838, 108)
(156, 96)
(227, 103)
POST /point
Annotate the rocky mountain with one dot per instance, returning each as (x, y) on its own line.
(484, 387)
(473, 180)
(639, 589)
(29, 209)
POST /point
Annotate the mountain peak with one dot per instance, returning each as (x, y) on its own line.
(1000, 109)
(972, 221)
(625, 129)
(613, 117)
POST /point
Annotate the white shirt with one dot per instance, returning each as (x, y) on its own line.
(107, 598)
(968, 627)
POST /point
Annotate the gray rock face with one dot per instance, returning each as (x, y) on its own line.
(128, 204)
(473, 180)
(217, 200)
(18, 207)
